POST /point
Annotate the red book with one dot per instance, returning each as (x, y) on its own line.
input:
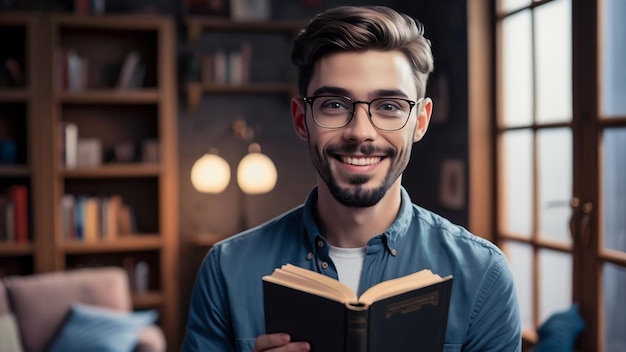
(18, 195)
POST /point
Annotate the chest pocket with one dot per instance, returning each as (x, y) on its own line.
(452, 348)
(247, 345)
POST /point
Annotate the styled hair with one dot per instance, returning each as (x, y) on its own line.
(361, 28)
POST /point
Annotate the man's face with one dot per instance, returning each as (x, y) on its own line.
(359, 162)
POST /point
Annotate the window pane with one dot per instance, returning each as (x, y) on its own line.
(511, 5)
(517, 182)
(553, 55)
(613, 57)
(614, 188)
(555, 290)
(517, 70)
(614, 291)
(554, 147)
(520, 257)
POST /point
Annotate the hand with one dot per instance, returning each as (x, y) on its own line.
(279, 343)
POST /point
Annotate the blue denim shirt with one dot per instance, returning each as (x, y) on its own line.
(226, 311)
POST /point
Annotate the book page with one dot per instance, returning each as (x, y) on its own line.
(312, 282)
(393, 287)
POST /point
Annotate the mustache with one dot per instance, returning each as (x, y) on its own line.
(365, 149)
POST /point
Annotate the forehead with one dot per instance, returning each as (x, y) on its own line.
(362, 73)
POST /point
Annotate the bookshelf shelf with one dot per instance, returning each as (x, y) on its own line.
(14, 95)
(15, 249)
(115, 171)
(244, 88)
(110, 96)
(124, 244)
(14, 171)
(197, 24)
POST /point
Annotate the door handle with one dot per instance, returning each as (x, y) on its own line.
(585, 233)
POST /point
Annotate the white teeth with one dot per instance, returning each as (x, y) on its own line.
(361, 161)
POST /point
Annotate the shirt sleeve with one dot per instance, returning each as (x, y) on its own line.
(495, 323)
(209, 326)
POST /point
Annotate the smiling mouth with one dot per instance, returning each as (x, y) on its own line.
(363, 161)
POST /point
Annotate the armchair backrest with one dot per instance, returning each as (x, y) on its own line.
(41, 302)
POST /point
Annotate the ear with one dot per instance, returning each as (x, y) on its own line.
(298, 116)
(423, 118)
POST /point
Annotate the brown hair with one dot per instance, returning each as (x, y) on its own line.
(361, 28)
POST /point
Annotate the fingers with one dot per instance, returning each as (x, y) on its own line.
(279, 343)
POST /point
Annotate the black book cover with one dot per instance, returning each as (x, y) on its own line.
(410, 321)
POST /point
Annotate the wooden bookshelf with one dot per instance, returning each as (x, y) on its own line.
(101, 110)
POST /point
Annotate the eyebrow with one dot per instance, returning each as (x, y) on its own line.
(329, 90)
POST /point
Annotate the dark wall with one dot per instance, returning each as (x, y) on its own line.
(445, 23)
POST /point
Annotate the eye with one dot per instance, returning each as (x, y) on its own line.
(389, 105)
(334, 104)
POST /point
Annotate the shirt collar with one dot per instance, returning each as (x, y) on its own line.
(392, 235)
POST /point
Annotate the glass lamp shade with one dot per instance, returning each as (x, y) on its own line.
(256, 173)
(210, 174)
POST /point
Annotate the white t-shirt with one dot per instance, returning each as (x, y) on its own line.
(349, 262)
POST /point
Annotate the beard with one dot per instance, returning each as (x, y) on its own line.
(356, 195)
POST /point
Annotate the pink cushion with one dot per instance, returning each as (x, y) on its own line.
(41, 302)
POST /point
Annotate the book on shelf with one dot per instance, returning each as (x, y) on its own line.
(71, 70)
(132, 72)
(231, 67)
(18, 196)
(88, 152)
(69, 144)
(91, 219)
(6, 218)
(404, 314)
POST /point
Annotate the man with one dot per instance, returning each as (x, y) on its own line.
(362, 77)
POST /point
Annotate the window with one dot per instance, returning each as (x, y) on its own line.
(559, 123)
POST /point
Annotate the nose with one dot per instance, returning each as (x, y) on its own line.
(360, 127)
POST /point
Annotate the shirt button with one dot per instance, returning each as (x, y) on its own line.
(324, 265)
(320, 244)
(309, 256)
(394, 252)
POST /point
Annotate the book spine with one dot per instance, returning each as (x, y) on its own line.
(356, 329)
(19, 198)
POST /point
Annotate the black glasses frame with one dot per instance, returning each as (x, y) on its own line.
(312, 99)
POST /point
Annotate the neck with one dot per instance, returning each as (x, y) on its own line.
(354, 227)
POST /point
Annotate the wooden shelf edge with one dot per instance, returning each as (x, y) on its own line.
(14, 171)
(195, 90)
(123, 244)
(114, 170)
(196, 24)
(14, 94)
(15, 249)
(109, 96)
(121, 21)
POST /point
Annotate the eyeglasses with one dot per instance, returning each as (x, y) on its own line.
(387, 114)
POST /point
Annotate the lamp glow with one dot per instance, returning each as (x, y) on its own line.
(256, 173)
(210, 174)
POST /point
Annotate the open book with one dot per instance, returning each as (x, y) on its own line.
(404, 314)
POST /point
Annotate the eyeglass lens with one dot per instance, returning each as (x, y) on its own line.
(384, 113)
